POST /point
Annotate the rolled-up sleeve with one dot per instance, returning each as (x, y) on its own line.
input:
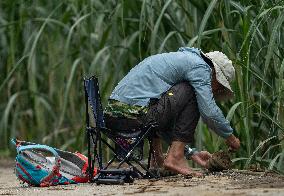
(200, 78)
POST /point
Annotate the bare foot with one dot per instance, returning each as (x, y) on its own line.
(180, 166)
(175, 160)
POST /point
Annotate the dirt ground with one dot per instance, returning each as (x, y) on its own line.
(233, 182)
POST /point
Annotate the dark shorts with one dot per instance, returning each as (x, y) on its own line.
(176, 113)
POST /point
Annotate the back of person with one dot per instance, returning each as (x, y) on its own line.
(155, 75)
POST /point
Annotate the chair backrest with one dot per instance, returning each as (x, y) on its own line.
(92, 98)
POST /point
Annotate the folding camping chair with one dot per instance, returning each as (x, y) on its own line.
(123, 151)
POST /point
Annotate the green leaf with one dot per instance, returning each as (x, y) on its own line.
(204, 21)
(273, 162)
(154, 34)
(232, 111)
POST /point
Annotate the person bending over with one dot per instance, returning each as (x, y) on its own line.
(173, 90)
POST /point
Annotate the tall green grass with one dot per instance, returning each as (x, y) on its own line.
(47, 47)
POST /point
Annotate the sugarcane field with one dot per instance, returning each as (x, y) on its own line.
(141, 97)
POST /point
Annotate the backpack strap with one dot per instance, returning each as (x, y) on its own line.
(17, 142)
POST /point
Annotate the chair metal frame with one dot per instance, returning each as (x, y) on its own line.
(95, 133)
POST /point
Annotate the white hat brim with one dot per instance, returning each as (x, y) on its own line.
(220, 76)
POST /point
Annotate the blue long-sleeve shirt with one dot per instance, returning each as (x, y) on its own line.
(158, 73)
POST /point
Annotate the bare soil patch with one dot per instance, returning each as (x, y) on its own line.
(220, 161)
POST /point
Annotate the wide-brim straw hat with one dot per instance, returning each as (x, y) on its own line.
(224, 69)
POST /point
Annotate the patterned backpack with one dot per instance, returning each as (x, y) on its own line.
(41, 165)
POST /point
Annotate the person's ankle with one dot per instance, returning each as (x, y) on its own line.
(157, 161)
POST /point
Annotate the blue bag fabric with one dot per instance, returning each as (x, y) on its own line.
(41, 165)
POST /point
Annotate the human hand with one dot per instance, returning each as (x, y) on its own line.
(201, 158)
(233, 142)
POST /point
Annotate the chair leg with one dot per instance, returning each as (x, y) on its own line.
(100, 157)
(93, 140)
(110, 162)
(115, 157)
(137, 161)
(90, 158)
